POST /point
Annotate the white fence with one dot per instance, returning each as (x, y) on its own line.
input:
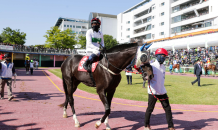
(3, 47)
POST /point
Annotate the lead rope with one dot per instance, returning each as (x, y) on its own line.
(154, 95)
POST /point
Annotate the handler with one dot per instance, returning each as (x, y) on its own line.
(157, 91)
(7, 68)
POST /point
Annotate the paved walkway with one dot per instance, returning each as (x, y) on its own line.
(36, 107)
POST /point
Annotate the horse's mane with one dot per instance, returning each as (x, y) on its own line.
(121, 47)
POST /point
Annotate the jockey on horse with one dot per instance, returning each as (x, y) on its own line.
(94, 40)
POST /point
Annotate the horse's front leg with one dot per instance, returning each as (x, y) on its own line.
(102, 95)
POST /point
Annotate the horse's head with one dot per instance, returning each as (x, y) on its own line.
(146, 70)
(143, 55)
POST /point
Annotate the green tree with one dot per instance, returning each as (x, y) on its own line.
(60, 39)
(82, 41)
(109, 41)
(1, 40)
(13, 36)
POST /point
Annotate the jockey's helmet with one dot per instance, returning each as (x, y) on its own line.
(95, 20)
(161, 51)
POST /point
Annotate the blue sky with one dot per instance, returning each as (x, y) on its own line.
(35, 17)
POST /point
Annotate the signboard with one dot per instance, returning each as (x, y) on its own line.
(3, 47)
(81, 51)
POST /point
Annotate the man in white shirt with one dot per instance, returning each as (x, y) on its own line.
(157, 91)
(36, 64)
(7, 69)
(31, 67)
(94, 41)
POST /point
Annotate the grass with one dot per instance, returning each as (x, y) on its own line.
(179, 89)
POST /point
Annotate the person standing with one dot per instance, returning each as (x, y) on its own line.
(157, 91)
(171, 68)
(31, 67)
(197, 72)
(129, 74)
(37, 64)
(7, 68)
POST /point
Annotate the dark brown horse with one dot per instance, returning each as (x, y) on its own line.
(176, 66)
(119, 57)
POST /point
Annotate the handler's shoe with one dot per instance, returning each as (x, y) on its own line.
(172, 129)
(147, 128)
(10, 98)
(2, 98)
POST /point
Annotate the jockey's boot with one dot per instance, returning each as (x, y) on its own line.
(86, 65)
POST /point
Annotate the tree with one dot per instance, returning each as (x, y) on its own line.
(1, 40)
(109, 42)
(13, 36)
(60, 39)
(82, 41)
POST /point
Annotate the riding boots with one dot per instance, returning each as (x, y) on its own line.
(86, 65)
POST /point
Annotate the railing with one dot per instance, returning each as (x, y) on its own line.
(38, 50)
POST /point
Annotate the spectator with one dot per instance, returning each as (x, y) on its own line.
(129, 74)
(31, 67)
(171, 68)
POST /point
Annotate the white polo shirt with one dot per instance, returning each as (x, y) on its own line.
(157, 83)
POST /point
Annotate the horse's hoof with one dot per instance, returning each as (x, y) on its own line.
(64, 115)
(97, 124)
(77, 125)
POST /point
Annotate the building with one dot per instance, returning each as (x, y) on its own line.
(151, 20)
(80, 26)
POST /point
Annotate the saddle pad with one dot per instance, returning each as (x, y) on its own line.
(83, 60)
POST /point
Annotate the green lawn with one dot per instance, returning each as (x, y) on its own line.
(179, 89)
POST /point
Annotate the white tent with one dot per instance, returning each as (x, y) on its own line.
(189, 42)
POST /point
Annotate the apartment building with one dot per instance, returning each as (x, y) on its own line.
(162, 19)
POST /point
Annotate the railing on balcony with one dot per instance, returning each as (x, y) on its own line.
(186, 5)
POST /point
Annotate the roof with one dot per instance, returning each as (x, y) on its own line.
(138, 5)
(60, 19)
(103, 15)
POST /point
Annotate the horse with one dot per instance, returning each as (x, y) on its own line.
(117, 59)
(210, 67)
(176, 66)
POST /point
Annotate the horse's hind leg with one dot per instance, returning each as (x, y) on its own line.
(73, 83)
(65, 106)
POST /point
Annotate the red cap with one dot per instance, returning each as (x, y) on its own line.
(96, 19)
(161, 51)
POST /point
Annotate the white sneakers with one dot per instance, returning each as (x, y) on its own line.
(10, 98)
(147, 128)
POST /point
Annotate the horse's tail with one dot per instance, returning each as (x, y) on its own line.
(65, 90)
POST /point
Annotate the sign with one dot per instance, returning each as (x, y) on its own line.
(81, 51)
(3, 47)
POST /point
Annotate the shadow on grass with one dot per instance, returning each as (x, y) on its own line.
(207, 84)
(156, 119)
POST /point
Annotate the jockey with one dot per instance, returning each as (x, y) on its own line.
(93, 40)
(208, 61)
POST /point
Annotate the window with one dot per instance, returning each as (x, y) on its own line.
(73, 31)
(148, 27)
(78, 26)
(153, 35)
(64, 25)
(68, 26)
(177, 19)
(152, 26)
(128, 36)
(128, 29)
(162, 33)
(208, 24)
(76, 32)
(162, 4)
(153, 17)
(128, 22)
(162, 23)
(162, 14)
(73, 26)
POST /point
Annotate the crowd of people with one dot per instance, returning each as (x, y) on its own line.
(189, 57)
(38, 49)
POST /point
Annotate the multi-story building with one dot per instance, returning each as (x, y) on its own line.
(163, 19)
(80, 26)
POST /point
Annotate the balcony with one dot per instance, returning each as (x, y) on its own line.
(187, 5)
(143, 21)
(144, 29)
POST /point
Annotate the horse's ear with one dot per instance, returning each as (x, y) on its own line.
(145, 47)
